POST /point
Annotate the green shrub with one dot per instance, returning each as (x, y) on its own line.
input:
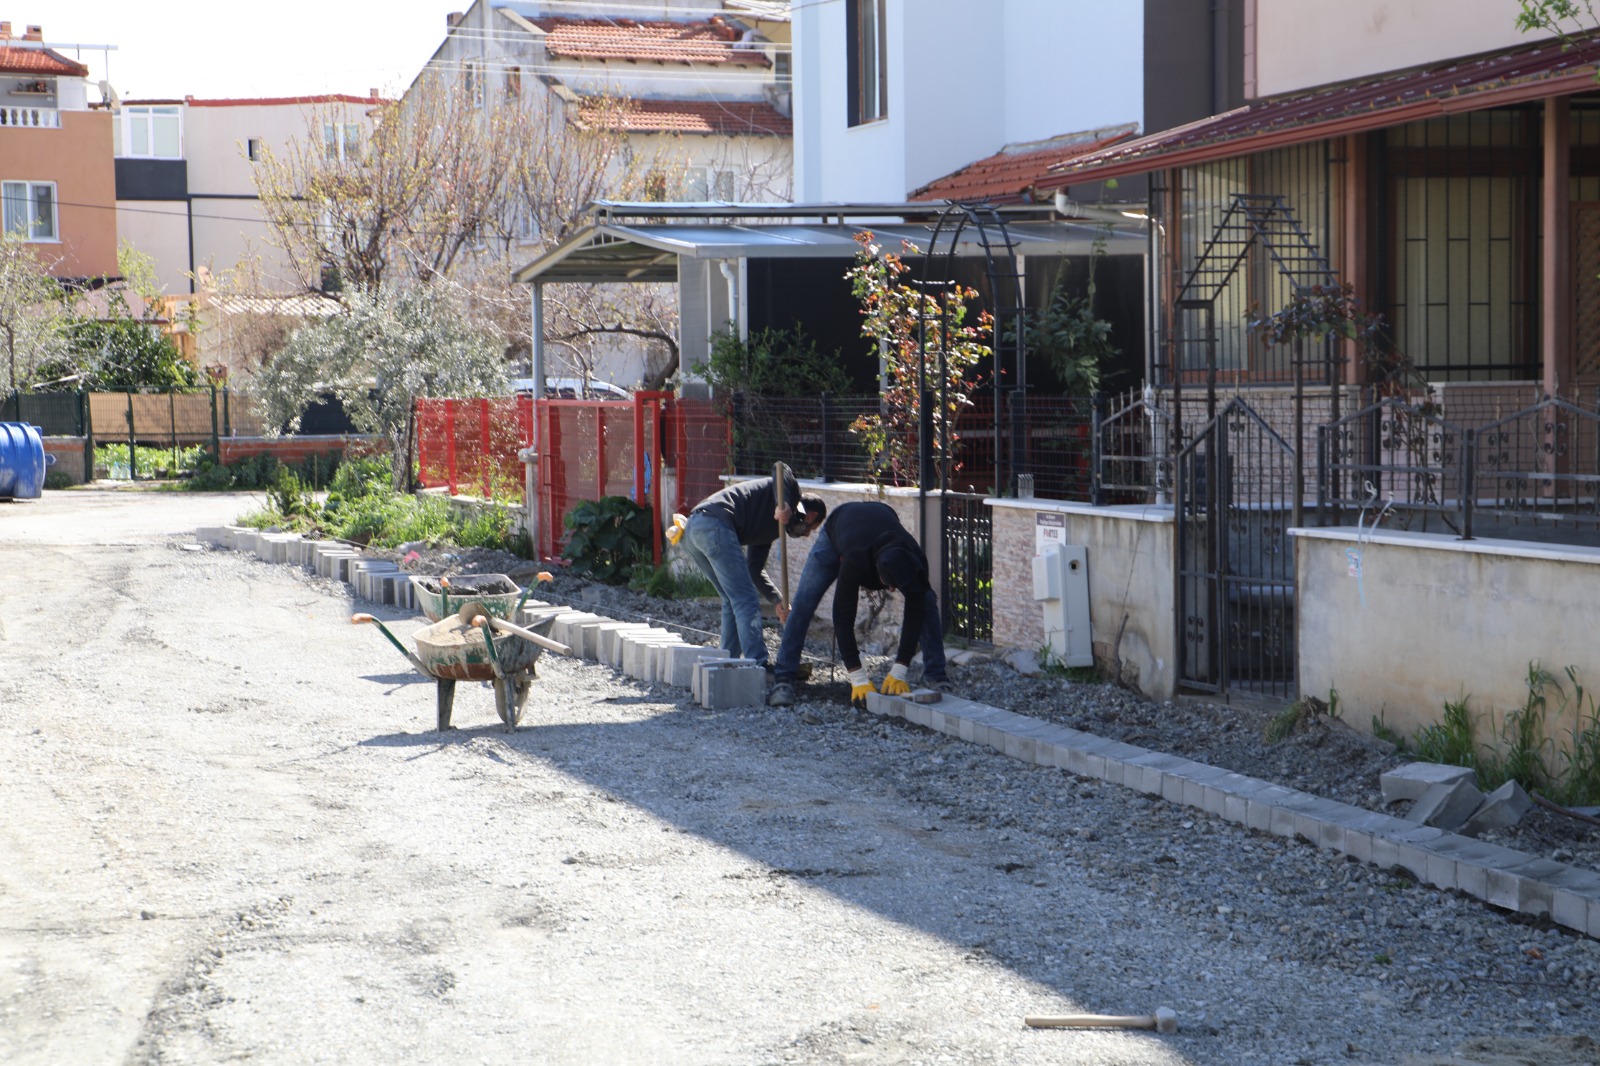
(607, 538)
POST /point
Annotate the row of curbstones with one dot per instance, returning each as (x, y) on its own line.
(1504, 877)
(642, 651)
(1501, 876)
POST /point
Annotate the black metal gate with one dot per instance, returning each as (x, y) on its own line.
(967, 595)
(1236, 581)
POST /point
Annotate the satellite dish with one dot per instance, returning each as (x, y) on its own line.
(109, 95)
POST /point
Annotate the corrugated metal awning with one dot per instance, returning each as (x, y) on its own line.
(610, 252)
(1512, 76)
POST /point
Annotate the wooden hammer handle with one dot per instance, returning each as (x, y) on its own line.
(1091, 1021)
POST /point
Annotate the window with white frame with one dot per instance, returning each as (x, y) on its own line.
(867, 60)
(341, 141)
(28, 209)
(472, 81)
(149, 132)
(253, 149)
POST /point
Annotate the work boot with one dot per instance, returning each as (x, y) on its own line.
(782, 695)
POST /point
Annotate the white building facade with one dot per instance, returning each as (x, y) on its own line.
(892, 94)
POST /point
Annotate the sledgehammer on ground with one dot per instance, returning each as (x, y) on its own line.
(1164, 1020)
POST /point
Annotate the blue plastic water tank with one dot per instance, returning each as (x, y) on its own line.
(22, 461)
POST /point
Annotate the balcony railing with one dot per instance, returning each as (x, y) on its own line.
(33, 118)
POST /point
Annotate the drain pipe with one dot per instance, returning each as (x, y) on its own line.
(1219, 56)
(732, 277)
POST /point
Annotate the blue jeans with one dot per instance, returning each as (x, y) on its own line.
(716, 550)
(822, 570)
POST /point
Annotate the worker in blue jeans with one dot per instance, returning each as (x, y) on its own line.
(729, 535)
(864, 546)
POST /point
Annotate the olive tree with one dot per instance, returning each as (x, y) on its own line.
(387, 348)
(32, 317)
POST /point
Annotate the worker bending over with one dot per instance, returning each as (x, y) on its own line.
(729, 535)
(864, 546)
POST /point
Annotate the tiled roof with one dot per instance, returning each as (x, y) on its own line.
(1017, 173)
(709, 42)
(1509, 76)
(42, 61)
(732, 117)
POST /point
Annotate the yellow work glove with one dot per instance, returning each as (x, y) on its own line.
(895, 684)
(860, 687)
(675, 530)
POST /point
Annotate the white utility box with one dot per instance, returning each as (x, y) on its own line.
(1061, 583)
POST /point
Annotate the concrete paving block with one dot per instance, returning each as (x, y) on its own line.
(1447, 805)
(1261, 805)
(1503, 807)
(883, 706)
(565, 628)
(369, 580)
(616, 642)
(916, 713)
(216, 536)
(1151, 766)
(700, 685)
(1574, 892)
(740, 683)
(637, 658)
(681, 661)
(1412, 848)
(265, 542)
(1414, 779)
(241, 538)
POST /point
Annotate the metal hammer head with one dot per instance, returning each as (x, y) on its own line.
(1166, 1020)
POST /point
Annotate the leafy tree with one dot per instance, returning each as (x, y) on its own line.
(121, 353)
(917, 332)
(385, 350)
(32, 318)
(1562, 18)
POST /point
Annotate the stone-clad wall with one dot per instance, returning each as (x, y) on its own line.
(1130, 553)
(882, 635)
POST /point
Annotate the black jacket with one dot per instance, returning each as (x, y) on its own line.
(747, 506)
(860, 532)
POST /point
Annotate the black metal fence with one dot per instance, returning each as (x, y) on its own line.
(1050, 442)
(57, 414)
(1426, 464)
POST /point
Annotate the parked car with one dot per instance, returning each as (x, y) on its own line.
(574, 389)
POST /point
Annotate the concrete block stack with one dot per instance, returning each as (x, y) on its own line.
(1447, 797)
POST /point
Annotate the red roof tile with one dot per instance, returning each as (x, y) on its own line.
(712, 41)
(749, 118)
(1016, 173)
(1513, 75)
(43, 61)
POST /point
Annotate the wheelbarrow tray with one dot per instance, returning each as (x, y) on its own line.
(497, 593)
(454, 650)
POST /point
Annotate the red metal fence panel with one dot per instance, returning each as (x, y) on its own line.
(587, 449)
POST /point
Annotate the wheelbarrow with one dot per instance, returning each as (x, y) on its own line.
(472, 645)
(440, 597)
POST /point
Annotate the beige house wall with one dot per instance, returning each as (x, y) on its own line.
(1130, 553)
(1299, 45)
(1433, 618)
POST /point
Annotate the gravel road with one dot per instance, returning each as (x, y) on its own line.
(231, 833)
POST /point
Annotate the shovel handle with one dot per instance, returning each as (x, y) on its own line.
(362, 619)
(529, 635)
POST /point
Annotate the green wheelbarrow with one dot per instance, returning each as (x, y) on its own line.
(472, 645)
